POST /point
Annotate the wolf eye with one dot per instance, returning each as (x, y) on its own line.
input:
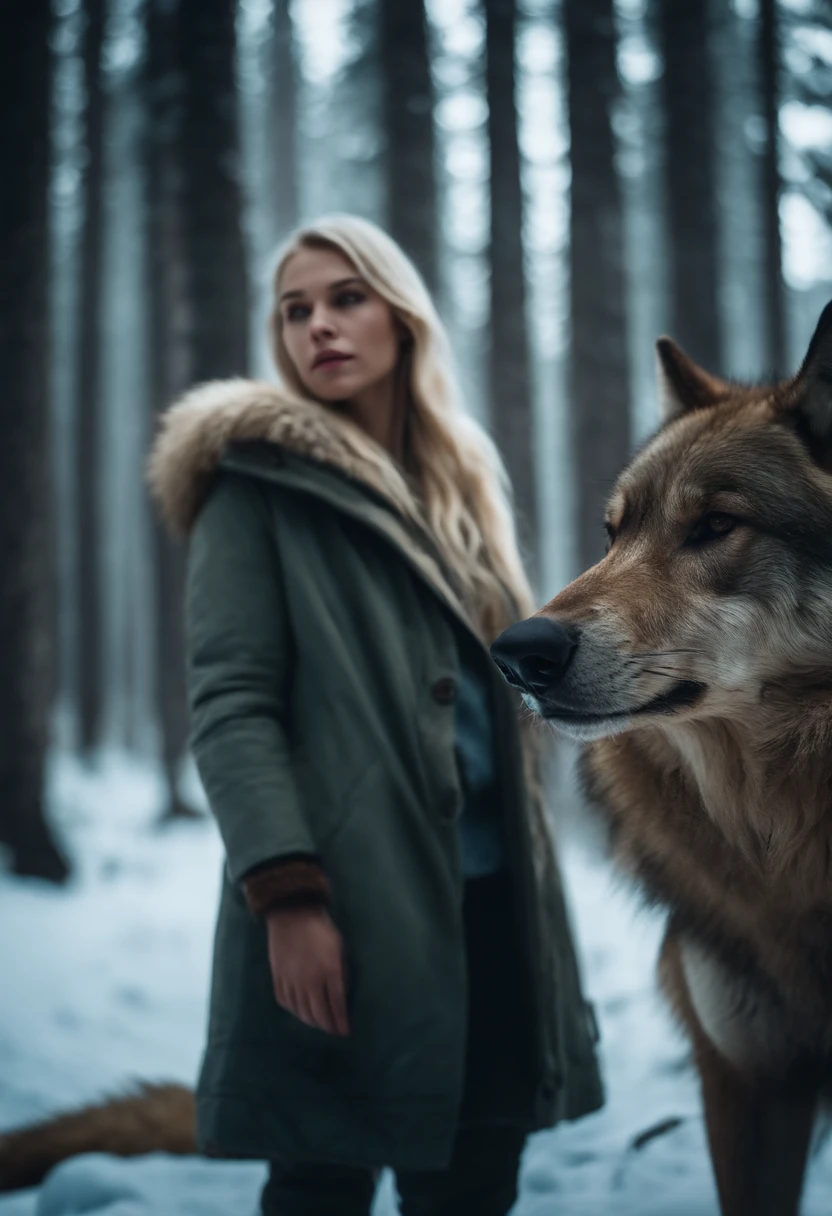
(711, 527)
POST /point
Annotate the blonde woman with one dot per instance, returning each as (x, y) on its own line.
(394, 980)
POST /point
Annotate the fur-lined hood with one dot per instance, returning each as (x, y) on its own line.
(198, 429)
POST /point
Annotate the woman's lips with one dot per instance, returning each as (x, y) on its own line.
(331, 361)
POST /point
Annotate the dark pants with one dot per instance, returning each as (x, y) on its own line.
(481, 1181)
(482, 1177)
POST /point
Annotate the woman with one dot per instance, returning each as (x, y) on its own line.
(394, 981)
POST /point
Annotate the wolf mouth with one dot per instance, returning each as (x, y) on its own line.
(680, 696)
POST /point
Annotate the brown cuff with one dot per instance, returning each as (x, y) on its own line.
(285, 884)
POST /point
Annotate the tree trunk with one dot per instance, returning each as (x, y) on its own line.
(87, 454)
(198, 288)
(599, 362)
(284, 166)
(212, 194)
(26, 547)
(407, 93)
(169, 365)
(511, 391)
(687, 91)
(352, 151)
(774, 302)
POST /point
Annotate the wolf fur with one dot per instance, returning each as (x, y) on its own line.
(156, 1118)
(695, 664)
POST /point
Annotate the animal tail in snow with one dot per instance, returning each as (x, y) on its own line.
(154, 1119)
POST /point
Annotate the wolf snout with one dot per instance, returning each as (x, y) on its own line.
(534, 654)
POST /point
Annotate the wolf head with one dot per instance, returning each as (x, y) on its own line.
(714, 600)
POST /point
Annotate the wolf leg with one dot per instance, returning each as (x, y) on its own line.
(758, 1133)
(759, 1126)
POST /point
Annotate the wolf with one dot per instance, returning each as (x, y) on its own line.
(694, 665)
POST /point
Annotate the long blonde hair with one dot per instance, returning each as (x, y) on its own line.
(460, 479)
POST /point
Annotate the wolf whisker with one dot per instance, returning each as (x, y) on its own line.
(667, 671)
(660, 654)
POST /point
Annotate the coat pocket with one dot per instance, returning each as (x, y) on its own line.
(326, 800)
(352, 797)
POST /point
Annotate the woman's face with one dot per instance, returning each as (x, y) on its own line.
(340, 335)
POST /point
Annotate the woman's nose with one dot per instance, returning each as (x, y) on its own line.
(321, 323)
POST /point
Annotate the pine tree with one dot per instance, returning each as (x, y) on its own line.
(511, 390)
(169, 369)
(198, 287)
(212, 219)
(351, 151)
(26, 545)
(599, 361)
(284, 88)
(687, 91)
(774, 300)
(407, 93)
(88, 431)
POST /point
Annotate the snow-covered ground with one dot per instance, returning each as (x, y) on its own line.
(106, 981)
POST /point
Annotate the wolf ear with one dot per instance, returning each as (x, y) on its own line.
(683, 385)
(812, 399)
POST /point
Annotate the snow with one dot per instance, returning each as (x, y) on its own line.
(106, 982)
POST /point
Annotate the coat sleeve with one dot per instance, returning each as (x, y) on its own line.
(239, 669)
(286, 883)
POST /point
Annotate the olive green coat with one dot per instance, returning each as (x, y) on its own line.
(321, 639)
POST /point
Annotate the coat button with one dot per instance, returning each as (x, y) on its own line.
(444, 691)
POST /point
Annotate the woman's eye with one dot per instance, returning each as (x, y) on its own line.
(711, 527)
(297, 312)
(345, 299)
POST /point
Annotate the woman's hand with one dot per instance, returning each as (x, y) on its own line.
(306, 955)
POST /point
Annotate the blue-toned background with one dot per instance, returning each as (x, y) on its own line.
(573, 179)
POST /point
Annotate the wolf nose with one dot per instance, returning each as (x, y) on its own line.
(534, 654)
